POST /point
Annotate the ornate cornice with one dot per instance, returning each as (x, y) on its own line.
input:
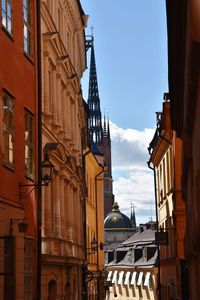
(62, 260)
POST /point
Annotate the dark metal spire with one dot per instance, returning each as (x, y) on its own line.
(95, 125)
(104, 127)
(108, 129)
(133, 219)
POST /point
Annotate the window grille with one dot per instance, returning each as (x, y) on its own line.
(8, 129)
(28, 27)
(29, 144)
(6, 15)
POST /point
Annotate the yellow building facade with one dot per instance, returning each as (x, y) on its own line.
(94, 225)
(64, 122)
(165, 151)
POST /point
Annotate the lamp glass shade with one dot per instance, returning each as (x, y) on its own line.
(47, 171)
(94, 244)
(22, 227)
(161, 238)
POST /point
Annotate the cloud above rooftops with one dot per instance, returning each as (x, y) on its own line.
(133, 180)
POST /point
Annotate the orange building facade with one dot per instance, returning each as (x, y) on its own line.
(166, 150)
(183, 25)
(18, 151)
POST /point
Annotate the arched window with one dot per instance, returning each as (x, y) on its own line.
(52, 290)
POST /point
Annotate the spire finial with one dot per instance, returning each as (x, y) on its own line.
(104, 124)
(108, 127)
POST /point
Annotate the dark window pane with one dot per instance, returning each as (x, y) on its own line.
(28, 136)
(8, 129)
(27, 27)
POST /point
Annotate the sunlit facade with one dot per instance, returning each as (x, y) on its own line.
(132, 270)
(64, 122)
(165, 151)
(94, 224)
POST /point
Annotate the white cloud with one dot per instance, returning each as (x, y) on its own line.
(133, 181)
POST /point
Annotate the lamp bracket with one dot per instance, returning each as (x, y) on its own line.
(22, 225)
(166, 229)
(33, 184)
(94, 248)
(23, 195)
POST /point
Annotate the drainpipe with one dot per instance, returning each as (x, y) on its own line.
(96, 179)
(85, 270)
(39, 198)
(157, 229)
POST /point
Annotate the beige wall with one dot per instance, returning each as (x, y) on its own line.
(64, 122)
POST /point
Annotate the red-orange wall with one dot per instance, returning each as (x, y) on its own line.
(19, 77)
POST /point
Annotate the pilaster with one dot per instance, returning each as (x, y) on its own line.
(47, 211)
(62, 207)
(57, 208)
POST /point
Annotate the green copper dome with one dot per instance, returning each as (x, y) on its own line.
(117, 220)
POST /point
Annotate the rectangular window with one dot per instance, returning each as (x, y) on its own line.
(28, 269)
(8, 129)
(28, 27)
(6, 255)
(6, 15)
(29, 144)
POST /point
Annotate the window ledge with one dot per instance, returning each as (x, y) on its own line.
(29, 58)
(7, 33)
(9, 166)
(30, 177)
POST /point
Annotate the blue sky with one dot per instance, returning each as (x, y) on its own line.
(131, 60)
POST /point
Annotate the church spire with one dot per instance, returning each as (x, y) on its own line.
(95, 125)
(99, 135)
(133, 219)
(108, 129)
(104, 126)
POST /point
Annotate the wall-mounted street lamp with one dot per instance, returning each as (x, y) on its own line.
(161, 238)
(46, 170)
(95, 246)
(22, 225)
